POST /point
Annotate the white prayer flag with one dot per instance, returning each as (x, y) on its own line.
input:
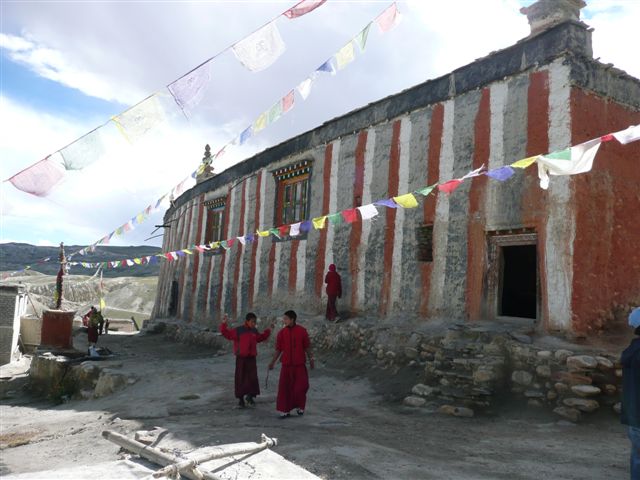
(578, 159)
(294, 231)
(304, 88)
(368, 211)
(474, 173)
(628, 135)
(140, 118)
(189, 90)
(260, 49)
(84, 151)
(242, 240)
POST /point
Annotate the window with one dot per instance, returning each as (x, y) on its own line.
(424, 237)
(292, 193)
(215, 220)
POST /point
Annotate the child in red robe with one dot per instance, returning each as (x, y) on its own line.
(245, 339)
(292, 343)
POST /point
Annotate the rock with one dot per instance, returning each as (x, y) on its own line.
(619, 372)
(532, 402)
(533, 394)
(610, 389)
(543, 371)
(380, 355)
(562, 355)
(109, 382)
(521, 377)
(456, 411)
(582, 404)
(391, 354)
(413, 401)
(521, 338)
(551, 395)
(581, 362)
(568, 413)
(561, 388)
(544, 354)
(422, 390)
(585, 390)
(617, 408)
(484, 374)
(149, 436)
(411, 352)
(604, 363)
(572, 378)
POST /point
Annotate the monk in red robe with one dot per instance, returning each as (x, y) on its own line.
(245, 339)
(292, 343)
(334, 291)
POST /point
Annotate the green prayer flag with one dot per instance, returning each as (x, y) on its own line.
(426, 190)
(361, 38)
(335, 218)
(560, 155)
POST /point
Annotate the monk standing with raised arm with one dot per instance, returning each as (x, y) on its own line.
(293, 344)
(245, 340)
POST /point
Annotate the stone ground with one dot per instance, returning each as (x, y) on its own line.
(355, 425)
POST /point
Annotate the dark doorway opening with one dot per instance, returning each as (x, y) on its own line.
(173, 301)
(519, 282)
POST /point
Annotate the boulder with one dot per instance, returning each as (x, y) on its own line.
(604, 363)
(581, 404)
(413, 401)
(521, 377)
(585, 390)
(544, 354)
(422, 390)
(543, 371)
(581, 362)
(562, 355)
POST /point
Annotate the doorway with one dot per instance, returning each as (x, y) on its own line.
(173, 300)
(518, 285)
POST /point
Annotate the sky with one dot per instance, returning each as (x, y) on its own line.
(66, 67)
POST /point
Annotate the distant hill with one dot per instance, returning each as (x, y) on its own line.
(16, 256)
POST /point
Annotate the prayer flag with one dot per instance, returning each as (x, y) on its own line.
(474, 173)
(327, 67)
(39, 178)
(501, 174)
(350, 215)
(304, 87)
(246, 134)
(140, 118)
(449, 186)
(264, 233)
(525, 162)
(274, 113)
(189, 89)
(318, 222)
(368, 211)
(187, 251)
(361, 38)
(387, 202)
(345, 55)
(180, 253)
(140, 218)
(302, 8)
(295, 229)
(388, 19)
(275, 232)
(287, 101)
(103, 304)
(406, 201)
(230, 242)
(425, 191)
(571, 161)
(137, 261)
(224, 244)
(261, 122)
(283, 229)
(84, 151)
(241, 240)
(306, 226)
(200, 248)
(250, 237)
(260, 49)
(628, 135)
(153, 259)
(335, 218)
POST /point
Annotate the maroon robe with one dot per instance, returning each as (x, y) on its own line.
(245, 340)
(293, 343)
(334, 291)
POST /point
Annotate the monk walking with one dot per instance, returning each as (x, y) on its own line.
(292, 343)
(245, 339)
(334, 291)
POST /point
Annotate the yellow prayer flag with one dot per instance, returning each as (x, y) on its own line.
(187, 251)
(318, 222)
(103, 304)
(407, 200)
(261, 122)
(137, 261)
(263, 234)
(140, 217)
(345, 56)
(525, 162)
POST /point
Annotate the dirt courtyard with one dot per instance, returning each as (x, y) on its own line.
(355, 425)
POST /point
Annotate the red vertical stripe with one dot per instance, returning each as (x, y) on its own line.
(322, 242)
(183, 244)
(254, 248)
(476, 220)
(240, 248)
(390, 230)
(534, 199)
(272, 267)
(356, 228)
(433, 174)
(225, 233)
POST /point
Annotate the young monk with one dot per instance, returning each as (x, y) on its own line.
(293, 344)
(245, 339)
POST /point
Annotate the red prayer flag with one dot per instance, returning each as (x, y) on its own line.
(449, 186)
(302, 8)
(169, 256)
(388, 19)
(39, 178)
(607, 138)
(283, 229)
(230, 242)
(287, 102)
(350, 215)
